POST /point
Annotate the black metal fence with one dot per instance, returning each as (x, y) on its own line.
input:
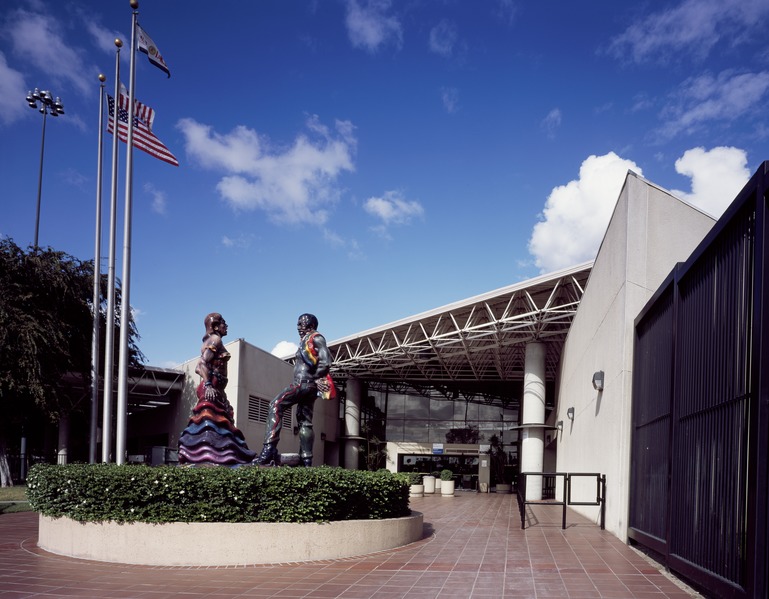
(19, 464)
(699, 463)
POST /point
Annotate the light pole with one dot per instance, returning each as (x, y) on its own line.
(44, 102)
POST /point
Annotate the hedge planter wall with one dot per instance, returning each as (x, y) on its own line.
(138, 493)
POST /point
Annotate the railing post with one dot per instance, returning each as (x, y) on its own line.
(603, 502)
(566, 483)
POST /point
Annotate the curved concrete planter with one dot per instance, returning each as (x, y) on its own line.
(224, 543)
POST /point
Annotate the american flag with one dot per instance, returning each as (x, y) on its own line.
(141, 111)
(143, 137)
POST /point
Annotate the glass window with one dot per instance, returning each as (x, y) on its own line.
(438, 430)
(416, 431)
(395, 403)
(491, 413)
(395, 430)
(413, 417)
(441, 409)
(464, 409)
(379, 401)
(417, 407)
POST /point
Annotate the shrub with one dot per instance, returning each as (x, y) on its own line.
(138, 493)
(415, 478)
(447, 474)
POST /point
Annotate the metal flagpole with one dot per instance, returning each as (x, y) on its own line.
(109, 349)
(125, 304)
(96, 286)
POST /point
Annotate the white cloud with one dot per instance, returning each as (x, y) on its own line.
(506, 11)
(159, 204)
(351, 246)
(76, 179)
(284, 349)
(105, 38)
(171, 364)
(239, 242)
(692, 28)
(37, 39)
(450, 99)
(552, 121)
(717, 177)
(369, 27)
(576, 214)
(393, 209)
(442, 38)
(703, 99)
(293, 184)
(12, 92)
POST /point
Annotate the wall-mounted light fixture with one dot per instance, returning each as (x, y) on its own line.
(559, 425)
(570, 413)
(598, 380)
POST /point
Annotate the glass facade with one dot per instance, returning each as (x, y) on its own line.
(418, 419)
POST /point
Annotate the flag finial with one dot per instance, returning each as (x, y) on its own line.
(135, 4)
(118, 42)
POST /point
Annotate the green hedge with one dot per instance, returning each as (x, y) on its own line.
(128, 493)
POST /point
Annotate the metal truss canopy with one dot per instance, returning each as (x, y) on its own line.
(473, 347)
(149, 387)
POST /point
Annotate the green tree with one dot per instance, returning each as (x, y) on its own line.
(46, 324)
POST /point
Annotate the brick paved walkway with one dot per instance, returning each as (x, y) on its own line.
(473, 547)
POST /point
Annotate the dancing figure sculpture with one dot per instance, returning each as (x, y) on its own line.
(211, 437)
(311, 378)
(212, 366)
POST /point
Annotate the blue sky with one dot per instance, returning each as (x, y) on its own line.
(370, 160)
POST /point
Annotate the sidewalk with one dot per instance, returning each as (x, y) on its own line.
(473, 547)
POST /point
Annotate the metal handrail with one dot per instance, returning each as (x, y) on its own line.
(567, 476)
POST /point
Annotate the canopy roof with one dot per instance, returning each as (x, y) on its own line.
(473, 348)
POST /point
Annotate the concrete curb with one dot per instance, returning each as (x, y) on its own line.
(224, 543)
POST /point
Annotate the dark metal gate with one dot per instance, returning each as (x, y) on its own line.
(699, 462)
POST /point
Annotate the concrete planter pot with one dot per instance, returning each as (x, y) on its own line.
(447, 488)
(429, 484)
(417, 491)
(438, 483)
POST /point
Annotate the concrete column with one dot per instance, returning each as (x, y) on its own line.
(532, 438)
(352, 423)
(63, 444)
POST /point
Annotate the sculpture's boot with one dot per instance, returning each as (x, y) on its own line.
(307, 461)
(268, 456)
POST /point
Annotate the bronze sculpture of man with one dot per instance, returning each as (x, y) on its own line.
(311, 378)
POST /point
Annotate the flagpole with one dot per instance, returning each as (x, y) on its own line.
(96, 286)
(109, 349)
(125, 304)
